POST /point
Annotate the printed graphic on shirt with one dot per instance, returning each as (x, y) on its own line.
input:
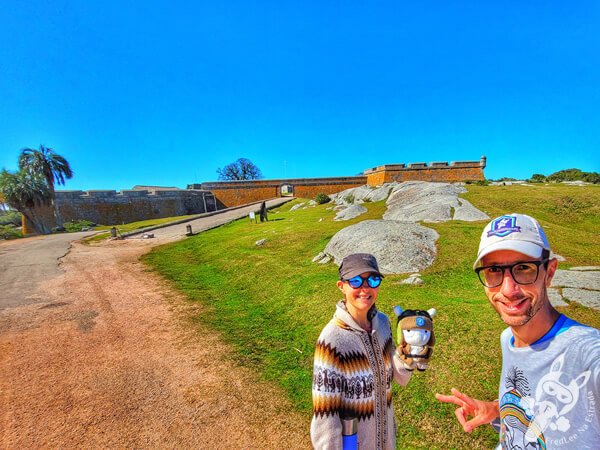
(525, 419)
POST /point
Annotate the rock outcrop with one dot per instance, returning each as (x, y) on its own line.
(400, 247)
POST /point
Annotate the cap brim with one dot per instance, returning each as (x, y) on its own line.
(362, 270)
(527, 248)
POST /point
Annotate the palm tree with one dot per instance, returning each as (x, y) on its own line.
(50, 166)
(24, 192)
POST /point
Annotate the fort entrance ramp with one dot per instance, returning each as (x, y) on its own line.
(177, 231)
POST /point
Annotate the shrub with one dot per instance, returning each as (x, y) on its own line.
(538, 178)
(574, 175)
(10, 232)
(349, 198)
(10, 217)
(77, 225)
(322, 198)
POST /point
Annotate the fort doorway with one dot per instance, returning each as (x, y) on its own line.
(286, 190)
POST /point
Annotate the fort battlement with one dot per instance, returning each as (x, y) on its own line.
(434, 171)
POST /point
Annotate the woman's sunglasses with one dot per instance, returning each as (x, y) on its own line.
(372, 280)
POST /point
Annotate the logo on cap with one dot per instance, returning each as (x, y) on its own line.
(420, 322)
(503, 226)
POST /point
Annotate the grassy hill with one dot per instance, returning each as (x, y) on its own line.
(270, 302)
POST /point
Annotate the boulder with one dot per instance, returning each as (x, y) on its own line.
(350, 212)
(322, 258)
(415, 201)
(399, 247)
(577, 279)
(363, 194)
(579, 285)
(413, 278)
(555, 298)
(591, 299)
(467, 212)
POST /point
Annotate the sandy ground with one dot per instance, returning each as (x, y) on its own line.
(112, 360)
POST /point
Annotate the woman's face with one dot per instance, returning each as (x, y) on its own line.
(359, 300)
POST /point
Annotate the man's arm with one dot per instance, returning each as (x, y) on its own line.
(480, 411)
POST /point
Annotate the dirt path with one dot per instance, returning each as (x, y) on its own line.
(110, 360)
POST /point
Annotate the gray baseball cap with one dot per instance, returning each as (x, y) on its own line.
(357, 263)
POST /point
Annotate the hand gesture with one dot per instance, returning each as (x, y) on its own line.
(480, 411)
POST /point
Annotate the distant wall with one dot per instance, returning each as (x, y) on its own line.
(113, 208)
(234, 193)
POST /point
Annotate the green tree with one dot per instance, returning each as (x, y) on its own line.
(574, 175)
(538, 178)
(24, 192)
(50, 166)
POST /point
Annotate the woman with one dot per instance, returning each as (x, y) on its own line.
(355, 361)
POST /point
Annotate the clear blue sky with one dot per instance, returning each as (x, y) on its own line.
(164, 93)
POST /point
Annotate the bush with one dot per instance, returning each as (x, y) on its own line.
(574, 175)
(10, 232)
(78, 225)
(538, 178)
(322, 198)
(10, 217)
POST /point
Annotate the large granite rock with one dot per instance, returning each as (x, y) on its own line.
(414, 201)
(350, 212)
(579, 279)
(399, 247)
(579, 284)
(363, 194)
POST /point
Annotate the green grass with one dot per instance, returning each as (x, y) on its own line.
(132, 226)
(271, 302)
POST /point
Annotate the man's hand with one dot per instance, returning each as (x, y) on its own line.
(481, 412)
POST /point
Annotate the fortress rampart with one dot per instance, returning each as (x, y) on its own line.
(234, 193)
(141, 203)
(109, 207)
(434, 171)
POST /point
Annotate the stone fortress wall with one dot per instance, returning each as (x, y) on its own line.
(109, 207)
(434, 171)
(233, 193)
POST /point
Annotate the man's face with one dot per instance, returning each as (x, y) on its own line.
(359, 300)
(517, 303)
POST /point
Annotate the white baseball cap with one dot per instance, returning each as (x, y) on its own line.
(516, 232)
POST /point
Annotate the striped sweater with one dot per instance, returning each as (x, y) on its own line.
(352, 376)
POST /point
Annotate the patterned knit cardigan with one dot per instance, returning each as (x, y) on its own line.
(352, 376)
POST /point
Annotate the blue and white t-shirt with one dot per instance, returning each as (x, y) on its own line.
(549, 394)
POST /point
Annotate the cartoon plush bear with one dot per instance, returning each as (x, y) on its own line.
(415, 337)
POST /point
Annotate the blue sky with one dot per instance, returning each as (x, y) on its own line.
(164, 93)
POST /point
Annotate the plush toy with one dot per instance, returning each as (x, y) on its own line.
(415, 337)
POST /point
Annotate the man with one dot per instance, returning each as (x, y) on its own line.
(549, 395)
